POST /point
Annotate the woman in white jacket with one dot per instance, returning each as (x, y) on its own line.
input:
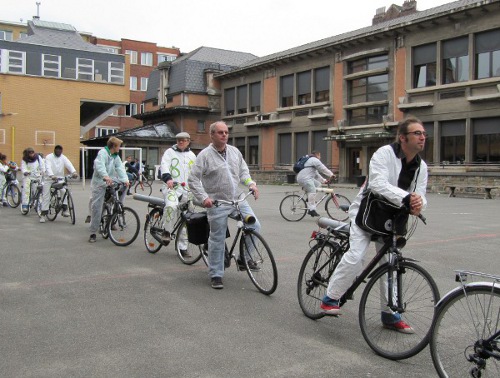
(32, 167)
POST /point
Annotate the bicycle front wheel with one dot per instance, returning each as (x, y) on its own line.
(293, 208)
(71, 207)
(143, 188)
(419, 295)
(463, 322)
(188, 253)
(124, 227)
(338, 208)
(153, 221)
(52, 213)
(259, 261)
(314, 275)
(13, 195)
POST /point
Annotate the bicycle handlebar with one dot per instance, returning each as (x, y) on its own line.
(218, 203)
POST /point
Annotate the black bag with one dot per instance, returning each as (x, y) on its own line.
(376, 215)
(299, 165)
(197, 227)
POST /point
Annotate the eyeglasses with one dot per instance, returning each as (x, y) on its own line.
(182, 140)
(418, 133)
(223, 132)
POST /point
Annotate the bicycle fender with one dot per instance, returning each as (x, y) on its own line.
(445, 297)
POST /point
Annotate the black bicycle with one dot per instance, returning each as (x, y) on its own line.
(465, 339)
(61, 200)
(155, 235)
(141, 185)
(254, 255)
(11, 190)
(120, 223)
(413, 291)
(35, 196)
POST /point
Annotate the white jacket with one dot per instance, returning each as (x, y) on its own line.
(178, 163)
(313, 169)
(54, 166)
(35, 168)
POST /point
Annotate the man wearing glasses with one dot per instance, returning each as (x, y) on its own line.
(397, 173)
(218, 171)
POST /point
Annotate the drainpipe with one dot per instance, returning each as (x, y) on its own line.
(12, 140)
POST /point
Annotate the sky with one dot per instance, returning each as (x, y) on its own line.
(260, 27)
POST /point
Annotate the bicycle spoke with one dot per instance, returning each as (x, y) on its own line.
(124, 227)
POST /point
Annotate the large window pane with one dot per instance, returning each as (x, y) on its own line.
(286, 91)
(455, 60)
(301, 144)
(284, 147)
(229, 101)
(424, 66)
(242, 99)
(453, 141)
(487, 54)
(318, 144)
(322, 84)
(486, 141)
(428, 153)
(255, 97)
(253, 150)
(304, 88)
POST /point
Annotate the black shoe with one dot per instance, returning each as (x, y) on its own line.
(313, 213)
(254, 267)
(185, 253)
(217, 283)
(92, 238)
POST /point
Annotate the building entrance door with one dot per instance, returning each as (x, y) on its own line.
(354, 163)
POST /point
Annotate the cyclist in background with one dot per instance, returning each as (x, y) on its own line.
(131, 169)
(55, 165)
(311, 177)
(107, 166)
(32, 167)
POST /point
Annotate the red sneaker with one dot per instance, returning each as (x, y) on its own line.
(330, 307)
(400, 326)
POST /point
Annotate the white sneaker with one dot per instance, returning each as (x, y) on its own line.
(42, 219)
(65, 213)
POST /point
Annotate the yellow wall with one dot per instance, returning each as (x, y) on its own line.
(43, 104)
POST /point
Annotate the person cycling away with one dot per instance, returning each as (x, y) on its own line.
(55, 165)
(176, 164)
(131, 169)
(32, 167)
(397, 173)
(107, 166)
(311, 177)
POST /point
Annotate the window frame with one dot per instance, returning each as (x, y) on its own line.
(133, 56)
(147, 59)
(56, 69)
(144, 84)
(133, 83)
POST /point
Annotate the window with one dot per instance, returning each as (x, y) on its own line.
(255, 97)
(453, 141)
(146, 59)
(142, 107)
(116, 72)
(131, 109)
(200, 126)
(424, 66)
(318, 144)
(242, 99)
(304, 88)
(368, 64)
(5, 35)
(455, 60)
(367, 89)
(133, 56)
(322, 84)
(428, 153)
(239, 143)
(253, 150)
(367, 116)
(284, 149)
(488, 54)
(486, 142)
(301, 145)
(103, 131)
(84, 69)
(166, 58)
(51, 65)
(13, 61)
(144, 83)
(229, 101)
(286, 91)
(133, 83)
(113, 50)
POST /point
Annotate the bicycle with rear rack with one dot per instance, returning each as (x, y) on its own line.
(253, 255)
(61, 200)
(293, 206)
(465, 338)
(155, 235)
(119, 223)
(10, 190)
(35, 196)
(413, 291)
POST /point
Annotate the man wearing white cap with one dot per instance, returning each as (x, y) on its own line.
(176, 164)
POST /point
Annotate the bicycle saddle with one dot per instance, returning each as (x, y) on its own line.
(58, 185)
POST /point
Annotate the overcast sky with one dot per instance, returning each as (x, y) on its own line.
(260, 27)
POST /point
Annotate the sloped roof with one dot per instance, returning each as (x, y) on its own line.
(163, 130)
(214, 55)
(57, 35)
(153, 85)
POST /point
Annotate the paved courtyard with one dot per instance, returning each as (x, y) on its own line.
(73, 309)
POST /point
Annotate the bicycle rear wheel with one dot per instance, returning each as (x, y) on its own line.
(71, 207)
(463, 321)
(13, 195)
(293, 208)
(188, 253)
(314, 274)
(153, 221)
(143, 188)
(419, 296)
(37, 204)
(52, 212)
(338, 208)
(124, 227)
(259, 261)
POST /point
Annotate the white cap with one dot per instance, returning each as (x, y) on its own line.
(183, 135)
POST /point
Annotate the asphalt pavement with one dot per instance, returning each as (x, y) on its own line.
(69, 308)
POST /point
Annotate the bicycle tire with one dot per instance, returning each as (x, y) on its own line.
(153, 220)
(420, 295)
(124, 227)
(37, 204)
(204, 253)
(265, 274)
(146, 188)
(193, 251)
(463, 320)
(105, 222)
(340, 213)
(71, 207)
(52, 212)
(13, 195)
(293, 208)
(311, 291)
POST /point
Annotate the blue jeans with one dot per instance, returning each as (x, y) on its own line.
(217, 220)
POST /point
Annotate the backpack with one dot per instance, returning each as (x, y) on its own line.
(299, 165)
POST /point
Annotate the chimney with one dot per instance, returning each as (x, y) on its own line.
(394, 11)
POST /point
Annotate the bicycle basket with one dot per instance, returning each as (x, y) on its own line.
(197, 227)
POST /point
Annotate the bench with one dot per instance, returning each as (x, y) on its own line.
(487, 189)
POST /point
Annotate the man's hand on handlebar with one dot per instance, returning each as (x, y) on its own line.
(109, 180)
(208, 203)
(255, 190)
